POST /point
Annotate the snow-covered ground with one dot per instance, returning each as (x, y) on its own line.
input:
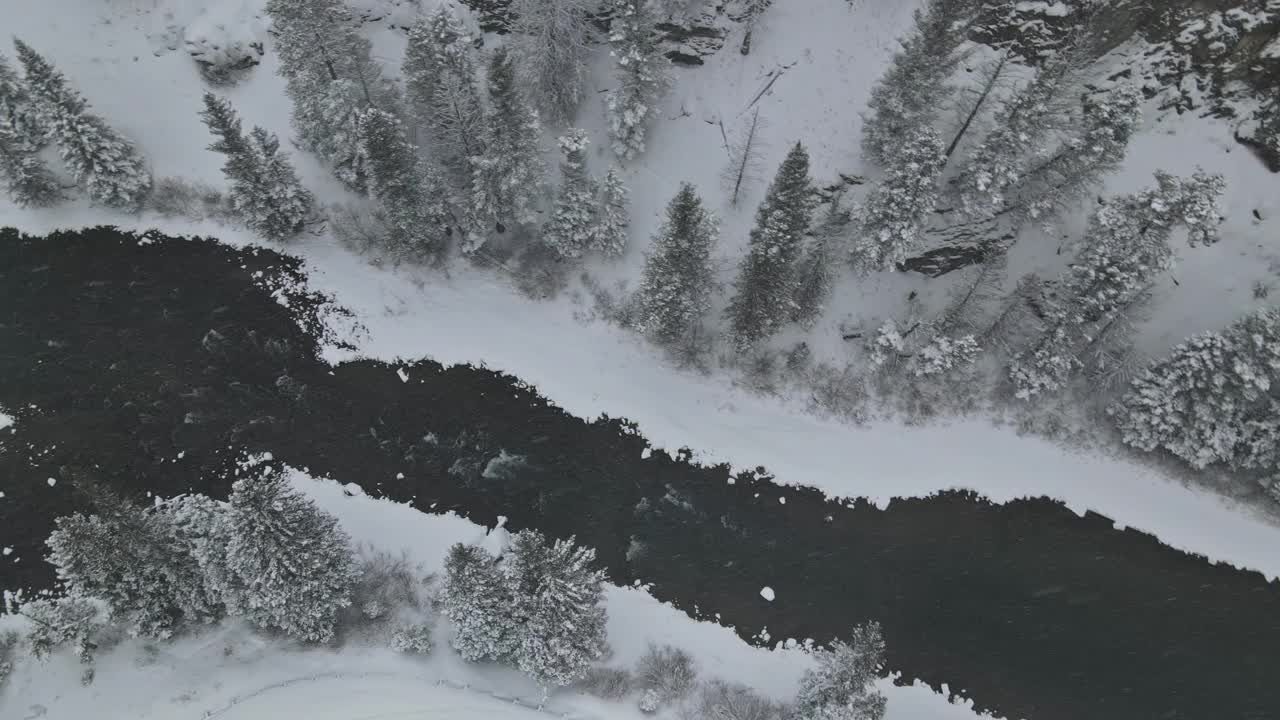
(829, 53)
(230, 673)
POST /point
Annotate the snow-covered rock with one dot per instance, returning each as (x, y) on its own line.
(226, 39)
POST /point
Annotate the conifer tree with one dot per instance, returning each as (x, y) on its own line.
(331, 77)
(291, 561)
(815, 270)
(410, 193)
(641, 75)
(549, 41)
(265, 190)
(571, 229)
(1125, 247)
(613, 219)
(105, 163)
(842, 687)
(891, 221)
(1214, 400)
(57, 621)
(675, 291)
(765, 291)
(558, 605)
(202, 527)
(509, 176)
(907, 98)
(27, 179)
(477, 599)
(17, 106)
(130, 558)
(440, 75)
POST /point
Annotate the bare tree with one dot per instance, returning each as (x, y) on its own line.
(745, 158)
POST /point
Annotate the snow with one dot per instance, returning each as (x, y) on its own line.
(5, 420)
(232, 674)
(828, 54)
(767, 593)
(52, 481)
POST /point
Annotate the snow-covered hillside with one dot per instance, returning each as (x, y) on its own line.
(230, 672)
(809, 73)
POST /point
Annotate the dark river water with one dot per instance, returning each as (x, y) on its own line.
(117, 356)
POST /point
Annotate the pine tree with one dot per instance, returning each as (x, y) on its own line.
(676, 288)
(549, 41)
(766, 287)
(842, 686)
(571, 229)
(613, 219)
(202, 527)
(101, 160)
(1215, 399)
(478, 601)
(891, 221)
(292, 561)
(640, 74)
(1125, 247)
(558, 603)
(18, 107)
(440, 75)
(331, 77)
(410, 194)
(57, 621)
(131, 558)
(265, 190)
(907, 98)
(509, 176)
(815, 270)
(27, 179)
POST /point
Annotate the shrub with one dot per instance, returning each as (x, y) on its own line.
(722, 701)
(607, 683)
(387, 582)
(667, 670)
(412, 638)
(8, 641)
(176, 197)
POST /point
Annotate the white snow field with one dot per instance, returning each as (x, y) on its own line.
(230, 673)
(829, 53)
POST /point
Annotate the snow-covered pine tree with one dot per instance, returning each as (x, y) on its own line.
(558, 605)
(1023, 130)
(129, 557)
(842, 687)
(201, 526)
(815, 269)
(549, 41)
(908, 96)
(1051, 185)
(440, 76)
(291, 560)
(1125, 247)
(265, 190)
(613, 219)
(509, 176)
(57, 621)
(331, 77)
(410, 193)
(571, 229)
(17, 105)
(675, 291)
(1214, 399)
(891, 221)
(27, 179)
(764, 293)
(478, 601)
(641, 74)
(106, 164)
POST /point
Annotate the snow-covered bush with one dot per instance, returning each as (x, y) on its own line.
(225, 40)
(293, 563)
(943, 354)
(386, 583)
(60, 621)
(887, 346)
(1215, 399)
(412, 638)
(650, 702)
(8, 648)
(179, 197)
(667, 671)
(362, 228)
(839, 392)
(842, 687)
(606, 683)
(724, 701)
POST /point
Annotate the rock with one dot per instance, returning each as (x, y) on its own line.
(226, 40)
